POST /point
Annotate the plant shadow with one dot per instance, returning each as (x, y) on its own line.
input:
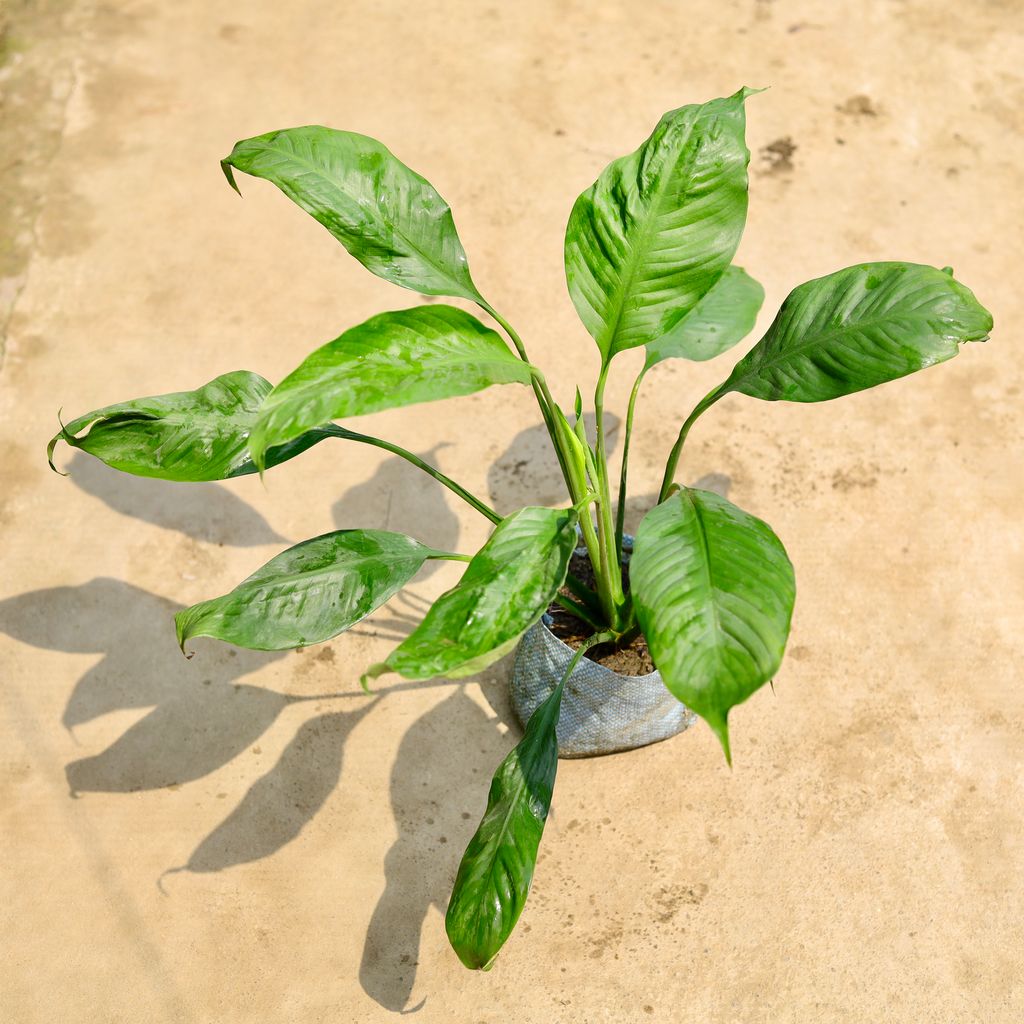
(439, 784)
(201, 716)
(527, 472)
(207, 512)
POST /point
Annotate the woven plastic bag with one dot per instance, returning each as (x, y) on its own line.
(602, 711)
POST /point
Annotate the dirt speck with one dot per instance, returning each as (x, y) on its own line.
(858, 106)
(778, 155)
(855, 477)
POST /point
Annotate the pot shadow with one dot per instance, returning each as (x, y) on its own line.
(411, 503)
(207, 512)
(439, 784)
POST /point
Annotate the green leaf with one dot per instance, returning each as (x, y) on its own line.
(723, 317)
(310, 592)
(659, 227)
(394, 359)
(505, 589)
(185, 436)
(497, 868)
(386, 215)
(858, 328)
(714, 591)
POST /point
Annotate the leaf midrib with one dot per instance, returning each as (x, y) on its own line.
(633, 259)
(380, 220)
(498, 841)
(799, 348)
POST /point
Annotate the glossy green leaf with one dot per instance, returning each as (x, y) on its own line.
(496, 871)
(505, 589)
(721, 319)
(394, 359)
(714, 591)
(310, 592)
(659, 227)
(185, 436)
(386, 215)
(858, 328)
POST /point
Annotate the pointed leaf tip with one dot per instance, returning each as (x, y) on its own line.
(720, 727)
(225, 166)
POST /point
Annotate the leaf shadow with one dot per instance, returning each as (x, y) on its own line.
(403, 499)
(279, 805)
(207, 512)
(201, 717)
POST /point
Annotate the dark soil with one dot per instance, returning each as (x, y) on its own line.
(634, 660)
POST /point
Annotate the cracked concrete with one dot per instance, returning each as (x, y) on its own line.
(246, 837)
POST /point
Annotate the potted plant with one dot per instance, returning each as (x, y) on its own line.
(704, 592)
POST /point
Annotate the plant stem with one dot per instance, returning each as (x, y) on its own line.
(592, 641)
(673, 459)
(581, 613)
(450, 556)
(540, 389)
(351, 435)
(611, 567)
(620, 514)
(577, 586)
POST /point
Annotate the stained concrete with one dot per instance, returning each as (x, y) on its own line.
(863, 861)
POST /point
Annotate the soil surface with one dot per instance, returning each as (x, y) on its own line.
(631, 660)
(862, 862)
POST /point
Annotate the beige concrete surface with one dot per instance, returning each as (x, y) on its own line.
(863, 861)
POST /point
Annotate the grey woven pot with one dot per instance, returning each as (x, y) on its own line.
(602, 711)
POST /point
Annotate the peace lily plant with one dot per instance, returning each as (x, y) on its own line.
(648, 258)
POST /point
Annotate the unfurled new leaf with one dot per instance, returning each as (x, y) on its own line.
(394, 359)
(310, 592)
(505, 589)
(714, 591)
(858, 328)
(721, 319)
(659, 227)
(497, 868)
(386, 215)
(185, 436)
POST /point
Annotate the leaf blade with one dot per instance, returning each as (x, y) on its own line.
(505, 589)
(309, 593)
(184, 436)
(858, 328)
(496, 871)
(714, 592)
(723, 317)
(385, 214)
(651, 236)
(394, 359)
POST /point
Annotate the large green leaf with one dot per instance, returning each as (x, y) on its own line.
(505, 589)
(310, 592)
(721, 319)
(857, 328)
(497, 868)
(184, 436)
(386, 215)
(658, 228)
(714, 593)
(394, 359)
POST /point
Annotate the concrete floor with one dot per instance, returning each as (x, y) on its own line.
(863, 861)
